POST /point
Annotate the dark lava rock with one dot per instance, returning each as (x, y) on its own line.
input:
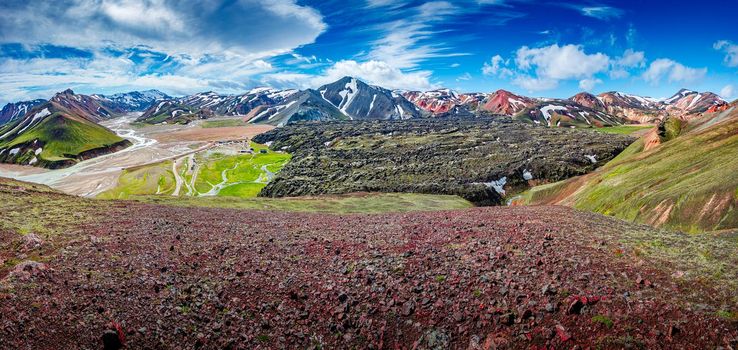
(575, 307)
(408, 308)
(111, 340)
(477, 159)
(434, 340)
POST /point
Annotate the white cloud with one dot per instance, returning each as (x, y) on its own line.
(561, 62)
(543, 68)
(464, 77)
(535, 84)
(492, 67)
(629, 60)
(455, 65)
(195, 29)
(496, 67)
(208, 45)
(372, 72)
(730, 50)
(727, 92)
(405, 43)
(385, 3)
(589, 84)
(602, 12)
(49, 76)
(673, 71)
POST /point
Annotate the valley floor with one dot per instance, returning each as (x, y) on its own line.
(75, 271)
(151, 145)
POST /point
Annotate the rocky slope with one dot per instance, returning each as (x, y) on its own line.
(480, 159)
(85, 106)
(124, 274)
(566, 113)
(59, 133)
(676, 177)
(14, 111)
(307, 105)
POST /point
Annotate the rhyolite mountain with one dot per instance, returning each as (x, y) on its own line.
(632, 107)
(506, 103)
(443, 100)
(59, 132)
(609, 107)
(16, 110)
(134, 101)
(693, 102)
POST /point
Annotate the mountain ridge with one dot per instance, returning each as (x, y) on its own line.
(59, 132)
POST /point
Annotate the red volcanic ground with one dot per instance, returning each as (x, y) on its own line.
(150, 276)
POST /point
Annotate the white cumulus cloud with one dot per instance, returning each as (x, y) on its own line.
(672, 71)
(561, 62)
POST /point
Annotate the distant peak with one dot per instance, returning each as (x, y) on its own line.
(584, 94)
(684, 91)
(67, 92)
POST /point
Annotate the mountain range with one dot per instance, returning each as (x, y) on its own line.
(65, 129)
(134, 101)
(347, 98)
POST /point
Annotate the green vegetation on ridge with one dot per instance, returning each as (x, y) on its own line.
(686, 183)
(62, 138)
(366, 203)
(622, 129)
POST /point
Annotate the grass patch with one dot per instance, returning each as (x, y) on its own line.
(603, 320)
(151, 179)
(367, 203)
(245, 174)
(622, 129)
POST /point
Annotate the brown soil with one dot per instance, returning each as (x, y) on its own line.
(212, 134)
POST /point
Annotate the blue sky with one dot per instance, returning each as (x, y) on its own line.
(539, 48)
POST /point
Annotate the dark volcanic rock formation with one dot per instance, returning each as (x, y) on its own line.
(480, 159)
